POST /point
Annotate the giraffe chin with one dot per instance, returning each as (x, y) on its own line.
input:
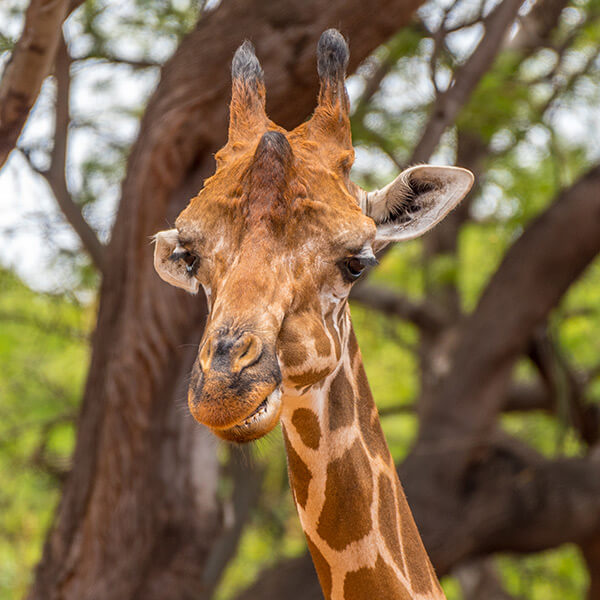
(260, 422)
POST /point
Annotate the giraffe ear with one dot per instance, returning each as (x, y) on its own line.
(172, 261)
(419, 198)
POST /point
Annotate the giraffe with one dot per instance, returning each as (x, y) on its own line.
(276, 238)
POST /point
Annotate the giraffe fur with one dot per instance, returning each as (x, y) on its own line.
(276, 238)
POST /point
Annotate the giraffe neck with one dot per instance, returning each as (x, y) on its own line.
(358, 526)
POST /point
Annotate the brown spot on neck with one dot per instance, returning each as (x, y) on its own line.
(299, 473)
(307, 425)
(310, 377)
(379, 582)
(346, 514)
(422, 576)
(293, 355)
(388, 519)
(322, 343)
(370, 426)
(293, 351)
(322, 567)
(341, 401)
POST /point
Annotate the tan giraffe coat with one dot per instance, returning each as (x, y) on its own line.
(276, 238)
(359, 529)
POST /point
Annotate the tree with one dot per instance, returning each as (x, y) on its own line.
(140, 514)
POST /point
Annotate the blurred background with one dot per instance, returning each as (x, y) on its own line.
(484, 337)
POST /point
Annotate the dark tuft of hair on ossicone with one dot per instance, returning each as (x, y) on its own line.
(332, 56)
(245, 65)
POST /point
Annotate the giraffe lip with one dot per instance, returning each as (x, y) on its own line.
(258, 411)
(258, 423)
(267, 406)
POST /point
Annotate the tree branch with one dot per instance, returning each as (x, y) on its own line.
(525, 397)
(391, 303)
(292, 578)
(55, 175)
(372, 84)
(31, 61)
(113, 58)
(537, 269)
(566, 388)
(591, 553)
(537, 25)
(479, 580)
(508, 499)
(449, 103)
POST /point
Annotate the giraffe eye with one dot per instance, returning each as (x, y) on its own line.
(352, 268)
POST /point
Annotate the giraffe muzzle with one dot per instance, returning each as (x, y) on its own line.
(235, 386)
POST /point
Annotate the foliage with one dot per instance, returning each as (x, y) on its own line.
(44, 352)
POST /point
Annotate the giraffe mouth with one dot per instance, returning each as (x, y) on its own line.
(258, 423)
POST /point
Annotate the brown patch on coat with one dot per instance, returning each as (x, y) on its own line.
(422, 576)
(322, 567)
(288, 335)
(307, 425)
(352, 346)
(310, 377)
(322, 342)
(299, 473)
(341, 402)
(346, 513)
(378, 582)
(388, 519)
(370, 426)
(293, 350)
(293, 355)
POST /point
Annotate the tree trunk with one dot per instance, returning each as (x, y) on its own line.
(139, 511)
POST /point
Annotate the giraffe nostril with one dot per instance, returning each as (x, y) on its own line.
(227, 353)
(246, 351)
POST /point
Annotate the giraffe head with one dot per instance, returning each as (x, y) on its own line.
(276, 238)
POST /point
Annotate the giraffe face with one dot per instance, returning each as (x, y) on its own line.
(277, 262)
(276, 238)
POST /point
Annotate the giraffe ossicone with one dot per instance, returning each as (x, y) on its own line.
(276, 238)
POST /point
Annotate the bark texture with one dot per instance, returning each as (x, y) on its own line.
(139, 512)
(30, 63)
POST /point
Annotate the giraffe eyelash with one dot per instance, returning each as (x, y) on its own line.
(352, 266)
